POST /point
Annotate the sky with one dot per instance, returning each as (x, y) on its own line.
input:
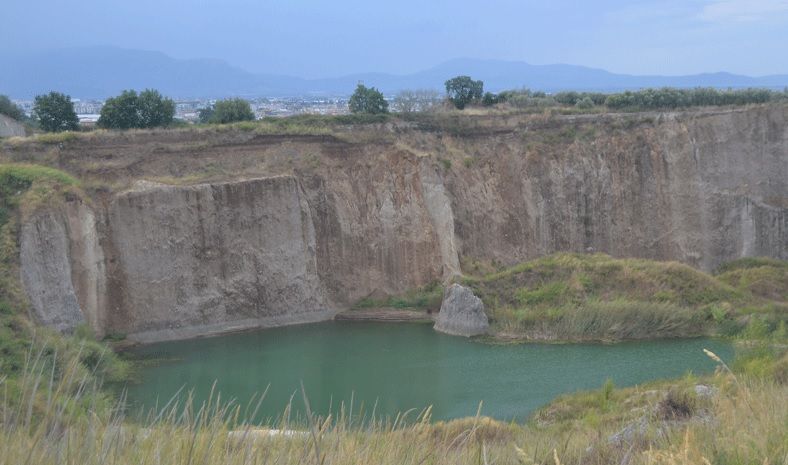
(325, 38)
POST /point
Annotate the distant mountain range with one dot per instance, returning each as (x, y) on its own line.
(99, 72)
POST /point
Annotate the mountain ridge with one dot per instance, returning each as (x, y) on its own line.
(102, 71)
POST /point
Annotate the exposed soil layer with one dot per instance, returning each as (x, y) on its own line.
(188, 231)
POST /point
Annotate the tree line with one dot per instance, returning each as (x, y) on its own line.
(54, 112)
(149, 109)
(463, 91)
(664, 98)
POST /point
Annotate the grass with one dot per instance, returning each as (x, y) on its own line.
(597, 297)
(427, 298)
(57, 137)
(23, 189)
(62, 417)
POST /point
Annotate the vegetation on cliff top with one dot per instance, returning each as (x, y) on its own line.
(10, 109)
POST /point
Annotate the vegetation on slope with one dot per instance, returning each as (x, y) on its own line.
(53, 409)
(425, 299)
(597, 297)
(28, 353)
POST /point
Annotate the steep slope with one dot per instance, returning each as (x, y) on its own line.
(285, 222)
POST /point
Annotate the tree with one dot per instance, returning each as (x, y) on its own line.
(489, 99)
(55, 112)
(584, 103)
(231, 110)
(129, 110)
(206, 114)
(121, 112)
(154, 110)
(8, 108)
(409, 101)
(463, 90)
(368, 100)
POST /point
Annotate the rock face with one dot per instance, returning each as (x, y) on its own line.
(46, 271)
(462, 313)
(10, 127)
(208, 258)
(334, 220)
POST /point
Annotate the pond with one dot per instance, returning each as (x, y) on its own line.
(392, 367)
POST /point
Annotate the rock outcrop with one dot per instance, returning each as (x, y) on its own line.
(45, 265)
(385, 209)
(9, 127)
(462, 313)
(208, 258)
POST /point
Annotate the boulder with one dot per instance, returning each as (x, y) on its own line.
(461, 313)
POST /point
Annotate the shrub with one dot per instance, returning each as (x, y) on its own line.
(678, 404)
(231, 111)
(410, 101)
(585, 103)
(490, 99)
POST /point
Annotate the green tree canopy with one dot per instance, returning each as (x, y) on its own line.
(154, 110)
(206, 114)
(55, 112)
(120, 112)
(129, 110)
(229, 111)
(489, 99)
(8, 108)
(463, 90)
(368, 100)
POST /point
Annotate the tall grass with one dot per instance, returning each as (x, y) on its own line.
(62, 417)
(582, 297)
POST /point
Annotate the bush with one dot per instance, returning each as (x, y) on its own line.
(410, 101)
(585, 103)
(678, 404)
(668, 97)
(491, 99)
(525, 98)
(229, 111)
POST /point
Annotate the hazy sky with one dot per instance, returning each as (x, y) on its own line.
(320, 38)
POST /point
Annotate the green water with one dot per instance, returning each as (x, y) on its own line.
(395, 367)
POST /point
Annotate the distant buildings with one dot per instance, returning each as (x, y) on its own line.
(288, 106)
(89, 110)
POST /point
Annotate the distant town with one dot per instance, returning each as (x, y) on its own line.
(88, 110)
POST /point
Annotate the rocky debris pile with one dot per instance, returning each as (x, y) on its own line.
(674, 410)
(461, 313)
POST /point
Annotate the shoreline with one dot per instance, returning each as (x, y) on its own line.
(385, 315)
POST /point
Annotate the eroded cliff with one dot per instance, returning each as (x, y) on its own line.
(261, 229)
